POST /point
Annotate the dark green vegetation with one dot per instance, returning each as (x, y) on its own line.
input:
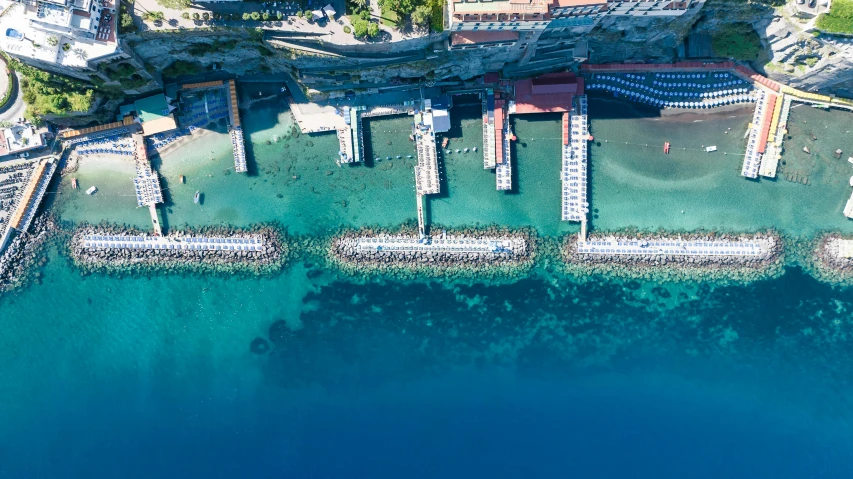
(126, 24)
(175, 4)
(839, 19)
(736, 40)
(395, 13)
(217, 46)
(125, 74)
(182, 67)
(49, 94)
(362, 27)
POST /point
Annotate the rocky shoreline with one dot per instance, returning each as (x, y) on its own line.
(516, 259)
(827, 263)
(675, 267)
(19, 259)
(270, 260)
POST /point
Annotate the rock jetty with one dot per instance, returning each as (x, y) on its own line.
(666, 265)
(491, 251)
(18, 261)
(832, 259)
(267, 260)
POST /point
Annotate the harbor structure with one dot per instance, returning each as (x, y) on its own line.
(32, 195)
(618, 245)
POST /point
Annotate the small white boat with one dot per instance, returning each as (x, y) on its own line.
(196, 197)
(711, 148)
(851, 181)
(850, 160)
(92, 190)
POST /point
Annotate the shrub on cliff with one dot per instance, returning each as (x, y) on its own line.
(736, 40)
(175, 4)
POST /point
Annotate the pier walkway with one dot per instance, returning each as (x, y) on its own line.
(188, 243)
(238, 147)
(146, 183)
(32, 196)
(574, 169)
(625, 246)
(488, 129)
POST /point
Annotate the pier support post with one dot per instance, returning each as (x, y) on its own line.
(582, 234)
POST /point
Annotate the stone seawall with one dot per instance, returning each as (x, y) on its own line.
(20, 258)
(667, 256)
(266, 260)
(831, 259)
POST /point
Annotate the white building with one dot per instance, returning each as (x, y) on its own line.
(19, 138)
(66, 36)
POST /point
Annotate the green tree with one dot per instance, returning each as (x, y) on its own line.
(246, 16)
(52, 41)
(185, 15)
(421, 16)
(265, 16)
(196, 16)
(256, 16)
(359, 27)
(205, 16)
(175, 4)
(360, 4)
(372, 30)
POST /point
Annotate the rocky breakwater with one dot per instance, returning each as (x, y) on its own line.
(667, 256)
(107, 248)
(492, 252)
(23, 253)
(832, 259)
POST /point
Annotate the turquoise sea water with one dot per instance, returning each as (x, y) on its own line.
(544, 377)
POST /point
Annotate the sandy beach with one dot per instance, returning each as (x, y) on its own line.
(690, 115)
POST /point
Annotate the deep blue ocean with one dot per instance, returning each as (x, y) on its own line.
(538, 378)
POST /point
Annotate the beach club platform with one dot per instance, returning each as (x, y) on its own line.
(673, 247)
(181, 243)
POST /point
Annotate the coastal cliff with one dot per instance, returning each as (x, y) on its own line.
(791, 53)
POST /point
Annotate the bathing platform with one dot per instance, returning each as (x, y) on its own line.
(426, 171)
(574, 165)
(622, 246)
(174, 243)
(447, 246)
(759, 131)
(489, 129)
(503, 168)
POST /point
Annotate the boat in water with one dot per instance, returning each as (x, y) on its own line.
(444, 142)
(666, 147)
(196, 197)
(75, 184)
(183, 179)
(92, 190)
(710, 148)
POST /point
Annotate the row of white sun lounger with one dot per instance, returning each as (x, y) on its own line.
(239, 148)
(503, 171)
(426, 179)
(698, 248)
(752, 157)
(574, 167)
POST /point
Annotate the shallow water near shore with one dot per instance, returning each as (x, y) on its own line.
(542, 377)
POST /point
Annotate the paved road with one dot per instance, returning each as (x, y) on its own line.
(14, 109)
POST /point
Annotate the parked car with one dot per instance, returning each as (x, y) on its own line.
(24, 155)
(812, 3)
